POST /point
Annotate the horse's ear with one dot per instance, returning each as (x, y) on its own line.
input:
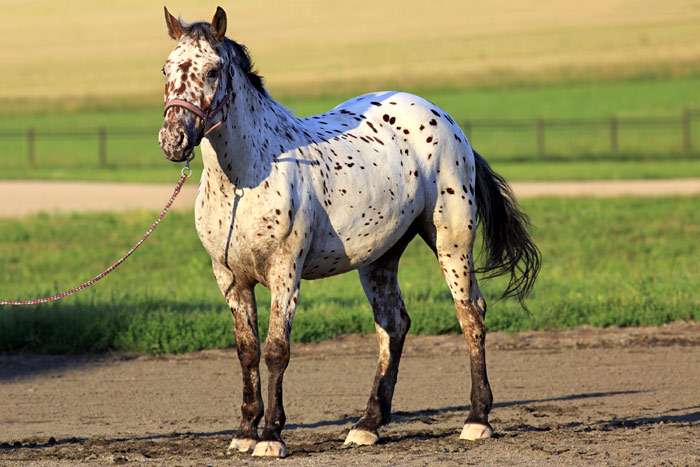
(174, 25)
(218, 23)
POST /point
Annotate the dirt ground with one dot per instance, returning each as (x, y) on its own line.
(603, 397)
(39, 196)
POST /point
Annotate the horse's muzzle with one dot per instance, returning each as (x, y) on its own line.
(176, 142)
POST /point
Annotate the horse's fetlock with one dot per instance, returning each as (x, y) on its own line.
(252, 410)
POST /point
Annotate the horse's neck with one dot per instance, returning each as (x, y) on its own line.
(246, 144)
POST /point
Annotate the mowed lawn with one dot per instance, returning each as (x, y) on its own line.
(573, 153)
(606, 262)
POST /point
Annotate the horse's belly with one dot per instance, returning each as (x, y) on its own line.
(344, 241)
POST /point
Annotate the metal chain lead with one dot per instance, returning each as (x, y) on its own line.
(185, 174)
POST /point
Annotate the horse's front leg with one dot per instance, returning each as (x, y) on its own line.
(241, 298)
(284, 279)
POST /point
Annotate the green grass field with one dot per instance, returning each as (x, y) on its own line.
(644, 151)
(606, 262)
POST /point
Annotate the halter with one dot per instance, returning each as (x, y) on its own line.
(204, 115)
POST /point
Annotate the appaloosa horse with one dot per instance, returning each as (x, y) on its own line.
(284, 198)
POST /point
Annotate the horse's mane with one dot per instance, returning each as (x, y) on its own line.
(239, 52)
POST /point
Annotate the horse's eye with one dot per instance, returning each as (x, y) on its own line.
(213, 73)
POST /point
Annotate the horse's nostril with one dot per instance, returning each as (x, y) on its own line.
(180, 137)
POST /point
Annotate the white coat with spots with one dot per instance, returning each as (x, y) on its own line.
(284, 198)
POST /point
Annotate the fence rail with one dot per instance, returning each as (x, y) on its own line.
(607, 137)
(613, 125)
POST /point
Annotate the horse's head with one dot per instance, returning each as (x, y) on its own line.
(196, 77)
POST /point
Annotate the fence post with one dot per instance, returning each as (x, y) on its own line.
(31, 149)
(540, 136)
(687, 135)
(102, 146)
(614, 126)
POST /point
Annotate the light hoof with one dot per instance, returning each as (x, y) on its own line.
(241, 445)
(474, 431)
(361, 438)
(270, 449)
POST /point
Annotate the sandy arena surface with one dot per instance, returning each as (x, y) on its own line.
(601, 397)
(40, 196)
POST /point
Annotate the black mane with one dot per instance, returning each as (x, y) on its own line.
(239, 52)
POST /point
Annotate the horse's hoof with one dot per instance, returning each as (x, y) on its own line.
(270, 449)
(241, 445)
(361, 438)
(474, 431)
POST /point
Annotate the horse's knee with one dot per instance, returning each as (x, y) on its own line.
(248, 354)
(276, 353)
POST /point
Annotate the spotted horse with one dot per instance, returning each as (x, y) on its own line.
(284, 198)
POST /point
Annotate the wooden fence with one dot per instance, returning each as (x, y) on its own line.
(612, 125)
(540, 130)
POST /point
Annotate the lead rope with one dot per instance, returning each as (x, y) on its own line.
(184, 175)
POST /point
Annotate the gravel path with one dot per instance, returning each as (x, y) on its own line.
(22, 198)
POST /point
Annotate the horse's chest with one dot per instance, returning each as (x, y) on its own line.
(237, 232)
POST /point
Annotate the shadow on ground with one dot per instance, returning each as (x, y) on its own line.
(688, 415)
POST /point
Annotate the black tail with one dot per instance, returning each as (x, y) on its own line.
(507, 243)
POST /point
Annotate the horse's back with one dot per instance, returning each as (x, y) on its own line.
(425, 144)
(390, 155)
(416, 127)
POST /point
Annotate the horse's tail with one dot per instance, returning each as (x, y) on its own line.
(507, 243)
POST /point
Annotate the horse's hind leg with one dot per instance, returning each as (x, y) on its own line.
(471, 312)
(452, 239)
(380, 283)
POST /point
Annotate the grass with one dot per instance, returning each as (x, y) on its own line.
(90, 50)
(619, 262)
(645, 151)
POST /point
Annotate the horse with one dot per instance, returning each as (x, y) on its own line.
(283, 198)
